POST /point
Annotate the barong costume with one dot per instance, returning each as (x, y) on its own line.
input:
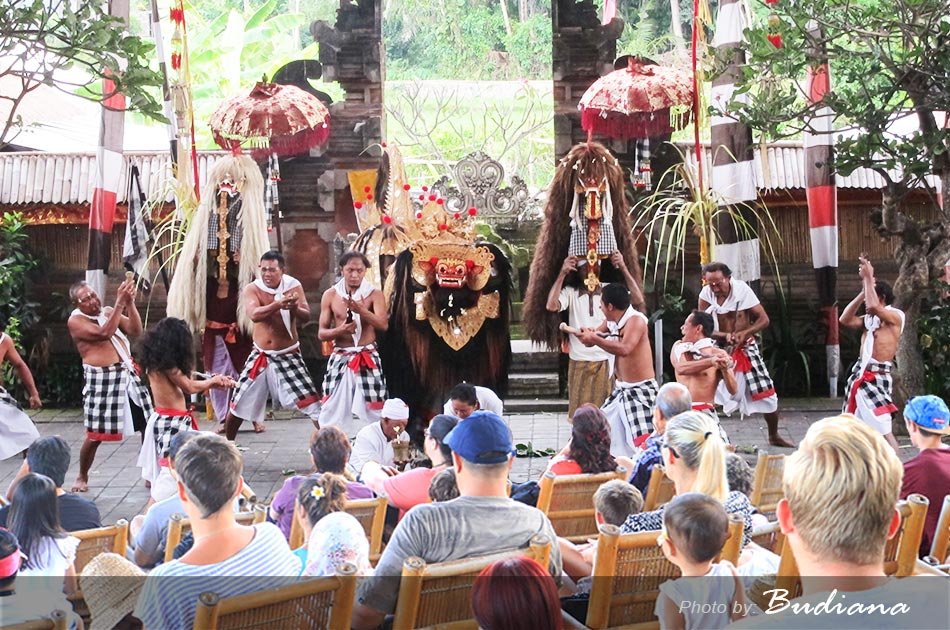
(871, 385)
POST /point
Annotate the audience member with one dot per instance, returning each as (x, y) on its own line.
(110, 586)
(516, 594)
(841, 489)
(588, 451)
(409, 489)
(740, 477)
(374, 442)
(34, 520)
(331, 536)
(26, 604)
(928, 420)
(50, 456)
(150, 532)
(444, 486)
(696, 527)
(672, 399)
(329, 453)
(481, 521)
(465, 399)
(614, 501)
(209, 479)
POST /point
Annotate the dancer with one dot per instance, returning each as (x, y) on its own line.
(870, 385)
(351, 313)
(738, 317)
(17, 431)
(166, 354)
(115, 402)
(275, 302)
(629, 409)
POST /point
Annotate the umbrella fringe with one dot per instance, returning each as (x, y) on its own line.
(635, 125)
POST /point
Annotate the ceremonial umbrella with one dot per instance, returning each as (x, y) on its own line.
(643, 100)
(272, 119)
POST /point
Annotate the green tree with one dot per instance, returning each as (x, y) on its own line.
(40, 40)
(888, 58)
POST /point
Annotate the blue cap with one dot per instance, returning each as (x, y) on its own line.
(929, 413)
(482, 438)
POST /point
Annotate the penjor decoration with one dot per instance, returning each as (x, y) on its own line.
(449, 295)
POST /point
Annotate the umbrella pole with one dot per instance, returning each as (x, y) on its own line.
(695, 63)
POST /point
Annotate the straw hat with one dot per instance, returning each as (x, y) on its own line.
(110, 585)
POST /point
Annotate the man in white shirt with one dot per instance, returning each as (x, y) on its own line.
(590, 368)
(465, 399)
(374, 442)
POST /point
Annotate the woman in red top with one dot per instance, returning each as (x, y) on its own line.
(588, 452)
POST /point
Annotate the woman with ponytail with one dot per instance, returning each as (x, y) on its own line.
(694, 458)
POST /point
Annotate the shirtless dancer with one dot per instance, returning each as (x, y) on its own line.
(351, 312)
(167, 356)
(868, 393)
(113, 395)
(17, 430)
(738, 317)
(700, 365)
(275, 302)
(629, 409)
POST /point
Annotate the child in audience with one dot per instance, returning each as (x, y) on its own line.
(514, 594)
(331, 536)
(444, 487)
(28, 603)
(34, 520)
(709, 595)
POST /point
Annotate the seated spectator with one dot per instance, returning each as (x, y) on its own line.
(740, 477)
(50, 456)
(671, 400)
(928, 419)
(331, 536)
(694, 458)
(150, 532)
(515, 594)
(614, 501)
(465, 399)
(374, 441)
(209, 472)
(329, 452)
(696, 527)
(841, 490)
(409, 489)
(444, 487)
(588, 451)
(481, 521)
(110, 586)
(28, 603)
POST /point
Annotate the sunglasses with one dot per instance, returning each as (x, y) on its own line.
(666, 445)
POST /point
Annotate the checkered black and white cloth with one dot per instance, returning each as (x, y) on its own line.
(365, 364)
(751, 365)
(636, 401)
(166, 425)
(234, 227)
(876, 382)
(292, 375)
(104, 399)
(605, 246)
(7, 399)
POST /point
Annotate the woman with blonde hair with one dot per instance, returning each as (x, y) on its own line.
(694, 458)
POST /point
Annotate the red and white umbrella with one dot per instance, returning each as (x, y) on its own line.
(643, 100)
(272, 119)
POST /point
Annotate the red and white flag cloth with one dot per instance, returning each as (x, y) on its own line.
(610, 11)
(822, 198)
(110, 165)
(733, 177)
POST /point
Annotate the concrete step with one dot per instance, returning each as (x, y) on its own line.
(534, 362)
(535, 405)
(533, 385)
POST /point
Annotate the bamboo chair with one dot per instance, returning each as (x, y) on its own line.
(440, 594)
(940, 545)
(628, 571)
(567, 500)
(310, 603)
(248, 498)
(767, 486)
(769, 537)
(58, 620)
(179, 525)
(371, 513)
(92, 542)
(659, 491)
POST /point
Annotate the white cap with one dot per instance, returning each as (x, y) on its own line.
(395, 409)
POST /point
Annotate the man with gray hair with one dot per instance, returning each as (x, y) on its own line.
(671, 400)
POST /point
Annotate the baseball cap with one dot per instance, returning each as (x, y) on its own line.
(395, 409)
(483, 438)
(929, 413)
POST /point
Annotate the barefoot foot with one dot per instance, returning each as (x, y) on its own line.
(81, 485)
(777, 440)
(259, 427)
